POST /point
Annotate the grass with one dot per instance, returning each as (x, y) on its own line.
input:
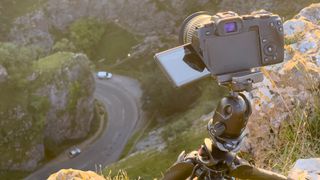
(131, 143)
(152, 164)
(13, 175)
(299, 138)
(115, 44)
(53, 62)
(293, 39)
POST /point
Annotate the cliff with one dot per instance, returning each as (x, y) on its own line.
(284, 125)
(44, 103)
(149, 18)
(289, 95)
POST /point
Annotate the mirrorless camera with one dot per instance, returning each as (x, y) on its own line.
(223, 45)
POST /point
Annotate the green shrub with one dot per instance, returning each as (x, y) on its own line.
(64, 45)
(86, 33)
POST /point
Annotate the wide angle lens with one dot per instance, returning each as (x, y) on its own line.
(189, 25)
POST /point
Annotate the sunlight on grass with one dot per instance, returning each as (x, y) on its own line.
(114, 45)
(53, 62)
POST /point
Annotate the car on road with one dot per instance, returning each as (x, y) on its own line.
(104, 75)
(74, 152)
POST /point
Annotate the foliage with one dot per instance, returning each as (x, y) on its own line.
(17, 61)
(121, 175)
(293, 39)
(53, 62)
(114, 45)
(22, 111)
(11, 9)
(182, 134)
(64, 45)
(163, 98)
(299, 137)
(75, 91)
(86, 33)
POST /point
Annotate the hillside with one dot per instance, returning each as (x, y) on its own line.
(44, 103)
(122, 37)
(285, 121)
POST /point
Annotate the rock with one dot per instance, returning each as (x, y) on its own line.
(75, 174)
(58, 108)
(70, 94)
(34, 28)
(311, 13)
(286, 85)
(147, 17)
(152, 141)
(3, 74)
(306, 169)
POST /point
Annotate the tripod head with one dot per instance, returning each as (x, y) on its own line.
(227, 128)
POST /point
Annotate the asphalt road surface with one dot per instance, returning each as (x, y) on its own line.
(123, 115)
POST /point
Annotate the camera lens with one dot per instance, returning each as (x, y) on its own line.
(230, 27)
(190, 24)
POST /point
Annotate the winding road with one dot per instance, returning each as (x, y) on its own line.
(120, 97)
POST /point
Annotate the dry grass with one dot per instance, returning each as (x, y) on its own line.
(122, 175)
(299, 134)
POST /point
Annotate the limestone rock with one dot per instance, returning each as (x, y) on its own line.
(75, 175)
(70, 93)
(289, 84)
(58, 108)
(152, 141)
(306, 169)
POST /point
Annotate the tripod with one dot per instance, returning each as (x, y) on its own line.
(217, 158)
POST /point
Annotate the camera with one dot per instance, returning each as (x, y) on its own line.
(223, 45)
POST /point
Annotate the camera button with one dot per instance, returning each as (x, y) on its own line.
(280, 29)
(264, 40)
(266, 59)
(272, 24)
(279, 23)
(274, 57)
(270, 49)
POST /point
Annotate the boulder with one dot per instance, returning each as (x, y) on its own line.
(288, 85)
(70, 91)
(54, 106)
(75, 174)
(306, 169)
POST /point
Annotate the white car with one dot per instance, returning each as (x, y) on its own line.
(74, 152)
(104, 75)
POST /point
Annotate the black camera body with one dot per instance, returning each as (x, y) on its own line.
(224, 44)
(228, 43)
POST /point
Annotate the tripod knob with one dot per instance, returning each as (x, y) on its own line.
(229, 121)
(218, 129)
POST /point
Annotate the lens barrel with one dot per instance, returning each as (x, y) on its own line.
(190, 24)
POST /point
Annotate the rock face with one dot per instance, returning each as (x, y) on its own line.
(147, 17)
(75, 174)
(39, 111)
(70, 93)
(290, 84)
(306, 169)
(34, 28)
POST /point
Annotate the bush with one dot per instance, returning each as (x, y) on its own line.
(86, 33)
(64, 45)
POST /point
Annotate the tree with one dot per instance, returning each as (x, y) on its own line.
(85, 33)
